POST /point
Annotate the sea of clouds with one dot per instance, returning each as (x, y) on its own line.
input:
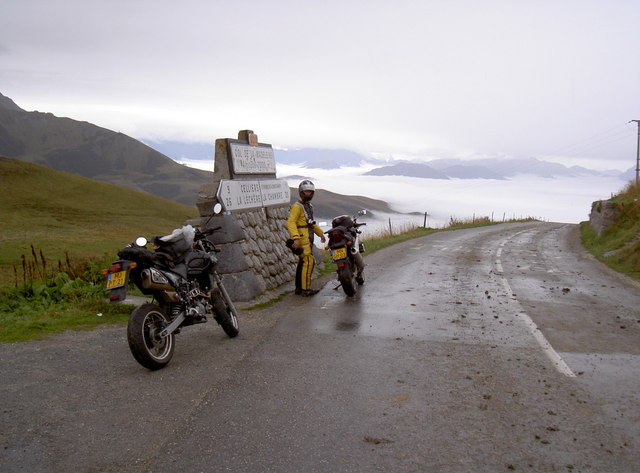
(561, 199)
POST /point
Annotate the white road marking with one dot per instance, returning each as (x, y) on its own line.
(533, 329)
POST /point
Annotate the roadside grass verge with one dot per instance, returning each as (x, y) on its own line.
(37, 309)
(619, 245)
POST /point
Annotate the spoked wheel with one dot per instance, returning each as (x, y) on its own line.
(226, 316)
(143, 334)
(348, 280)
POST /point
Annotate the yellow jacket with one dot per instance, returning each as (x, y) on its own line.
(297, 224)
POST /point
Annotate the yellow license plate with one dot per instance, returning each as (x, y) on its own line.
(339, 253)
(116, 279)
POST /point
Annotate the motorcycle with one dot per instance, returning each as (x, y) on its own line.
(346, 251)
(181, 276)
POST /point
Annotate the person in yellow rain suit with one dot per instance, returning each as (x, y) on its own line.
(302, 229)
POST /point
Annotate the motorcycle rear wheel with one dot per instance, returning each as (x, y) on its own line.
(225, 316)
(143, 334)
(348, 280)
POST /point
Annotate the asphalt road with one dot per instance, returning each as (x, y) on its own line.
(502, 348)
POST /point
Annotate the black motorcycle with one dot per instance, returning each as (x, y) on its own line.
(181, 276)
(346, 251)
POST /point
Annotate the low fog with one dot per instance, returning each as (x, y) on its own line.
(555, 200)
(562, 199)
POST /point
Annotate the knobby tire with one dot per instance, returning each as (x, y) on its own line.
(143, 334)
(347, 279)
(226, 316)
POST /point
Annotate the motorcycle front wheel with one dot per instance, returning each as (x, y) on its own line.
(143, 334)
(225, 316)
(347, 280)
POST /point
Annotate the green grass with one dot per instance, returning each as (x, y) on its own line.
(31, 321)
(619, 245)
(56, 223)
(64, 217)
(269, 303)
(36, 309)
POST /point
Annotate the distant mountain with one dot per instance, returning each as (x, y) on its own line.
(327, 205)
(629, 175)
(322, 158)
(68, 145)
(470, 171)
(311, 158)
(408, 169)
(179, 150)
(505, 168)
(488, 168)
(81, 148)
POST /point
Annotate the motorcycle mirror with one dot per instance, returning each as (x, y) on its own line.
(217, 209)
(141, 241)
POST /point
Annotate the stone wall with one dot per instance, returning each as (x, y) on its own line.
(253, 257)
(603, 213)
(264, 247)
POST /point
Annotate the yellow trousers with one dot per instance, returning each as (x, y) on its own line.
(304, 270)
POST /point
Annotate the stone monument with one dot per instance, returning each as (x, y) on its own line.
(252, 235)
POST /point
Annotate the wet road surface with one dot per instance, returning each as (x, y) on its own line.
(503, 348)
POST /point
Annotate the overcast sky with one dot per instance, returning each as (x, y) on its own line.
(556, 79)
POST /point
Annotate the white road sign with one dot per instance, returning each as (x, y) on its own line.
(252, 159)
(247, 194)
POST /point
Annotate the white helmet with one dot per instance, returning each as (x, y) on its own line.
(306, 185)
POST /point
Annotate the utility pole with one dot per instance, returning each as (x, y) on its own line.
(637, 154)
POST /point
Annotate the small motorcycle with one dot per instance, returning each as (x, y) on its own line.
(181, 276)
(346, 251)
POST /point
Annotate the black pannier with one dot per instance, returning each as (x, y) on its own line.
(198, 262)
(176, 249)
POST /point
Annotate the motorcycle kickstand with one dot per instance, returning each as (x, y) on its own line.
(337, 287)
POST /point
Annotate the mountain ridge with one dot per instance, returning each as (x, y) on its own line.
(83, 148)
(91, 151)
(67, 145)
(441, 168)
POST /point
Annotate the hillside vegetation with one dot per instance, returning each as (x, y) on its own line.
(56, 214)
(619, 245)
(69, 145)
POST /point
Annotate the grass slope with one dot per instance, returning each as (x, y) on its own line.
(58, 213)
(619, 244)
